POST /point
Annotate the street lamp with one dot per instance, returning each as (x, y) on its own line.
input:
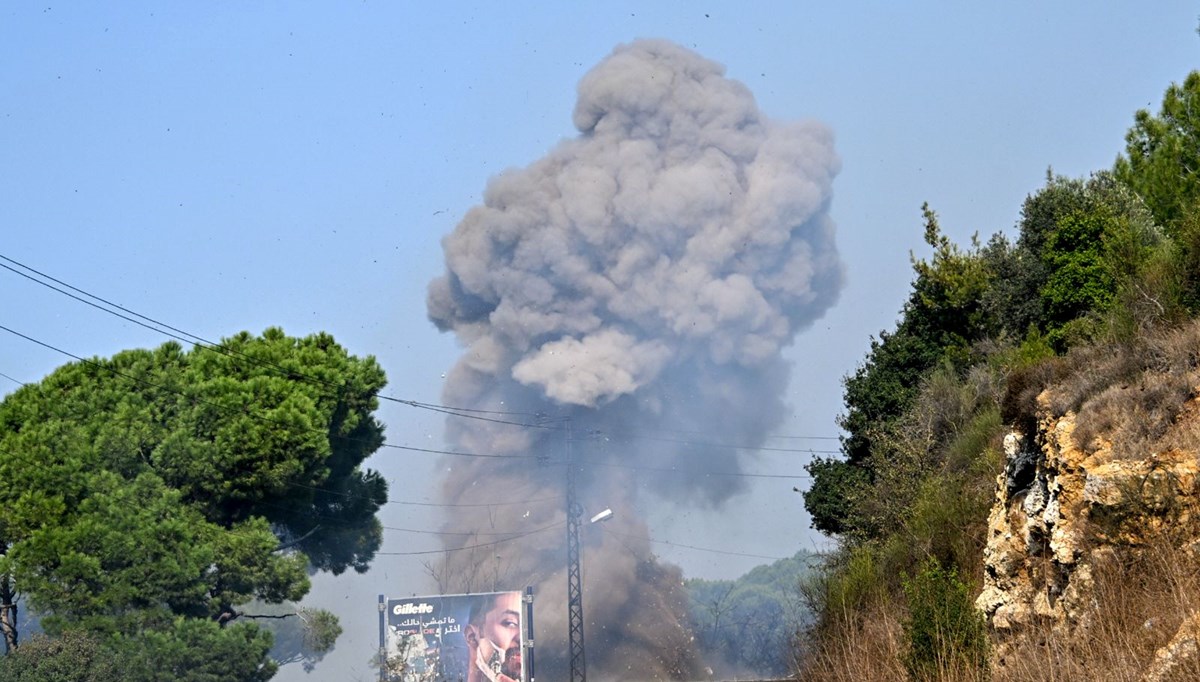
(602, 516)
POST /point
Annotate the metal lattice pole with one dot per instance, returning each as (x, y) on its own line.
(574, 574)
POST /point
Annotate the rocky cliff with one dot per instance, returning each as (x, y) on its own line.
(1063, 510)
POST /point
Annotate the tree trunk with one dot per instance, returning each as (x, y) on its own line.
(8, 613)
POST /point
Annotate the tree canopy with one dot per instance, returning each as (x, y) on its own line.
(1097, 265)
(749, 623)
(1162, 153)
(149, 496)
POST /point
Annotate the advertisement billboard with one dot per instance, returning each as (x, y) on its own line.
(453, 638)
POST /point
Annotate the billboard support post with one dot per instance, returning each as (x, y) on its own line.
(382, 638)
(529, 632)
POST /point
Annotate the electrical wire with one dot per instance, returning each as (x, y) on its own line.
(15, 381)
(730, 446)
(431, 504)
(451, 453)
(461, 412)
(417, 403)
(93, 363)
(455, 413)
(700, 549)
(732, 474)
(338, 522)
(200, 342)
(174, 333)
(508, 536)
(476, 546)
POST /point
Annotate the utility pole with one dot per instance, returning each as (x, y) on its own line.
(574, 574)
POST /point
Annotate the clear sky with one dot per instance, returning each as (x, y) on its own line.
(229, 166)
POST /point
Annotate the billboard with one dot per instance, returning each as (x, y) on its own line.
(453, 638)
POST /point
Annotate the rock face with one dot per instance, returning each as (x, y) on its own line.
(1184, 648)
(1060, 509)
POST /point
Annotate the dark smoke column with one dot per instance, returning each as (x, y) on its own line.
(641, 279)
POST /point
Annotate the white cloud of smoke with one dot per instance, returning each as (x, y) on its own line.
(641, 278)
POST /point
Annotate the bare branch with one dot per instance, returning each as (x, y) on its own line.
(302, 538)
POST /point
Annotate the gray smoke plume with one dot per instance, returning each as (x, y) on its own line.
(641, 279)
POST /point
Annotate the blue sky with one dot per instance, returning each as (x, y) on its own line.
(229, 166)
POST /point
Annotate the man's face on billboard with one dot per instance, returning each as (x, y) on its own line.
(500, 629)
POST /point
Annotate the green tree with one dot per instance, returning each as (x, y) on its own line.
(1162, 153)
(300, 635)
(1160, 164)
(943, 318)
(195, 650)
(72, 657)
(1088, 250)
(158, 489)
(749, 623)
(1078, 280)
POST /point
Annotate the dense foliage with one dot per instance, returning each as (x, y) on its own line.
(149, 496)
(71, 657)
(749, 624)
(1162, 154)
(944, 630)
(1096, 261)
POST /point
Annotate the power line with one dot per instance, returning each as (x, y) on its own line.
(701, 549)
(194, 340)
(731, 446)
(557, 498)
(477, 546)
(469, 534)
(323, 517)
(635, 432)
(510, 535)
(451, 453)
(200, 342)
(454, 412)
(305, 513)
(461, 412)
(417, 403)
(432, 504)
(15, 381)
(732, 474)
(465, 413)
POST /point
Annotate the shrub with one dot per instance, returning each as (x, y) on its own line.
(72, 657)
(946, 635)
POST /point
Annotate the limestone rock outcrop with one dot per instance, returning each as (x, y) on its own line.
(1183, 649)
(1059, 510)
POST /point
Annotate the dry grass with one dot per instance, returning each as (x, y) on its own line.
(1129, 395)
(866, 645)
(1138, 604)
(1134, 416)
(1139, 601)
(1139, 398)
(870, 645)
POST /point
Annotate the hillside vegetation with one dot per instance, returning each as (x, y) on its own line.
(746, 626)
(1095, 299)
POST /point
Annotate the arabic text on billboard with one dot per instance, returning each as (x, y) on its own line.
(454, 638)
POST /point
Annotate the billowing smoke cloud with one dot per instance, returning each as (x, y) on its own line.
(642, 279)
